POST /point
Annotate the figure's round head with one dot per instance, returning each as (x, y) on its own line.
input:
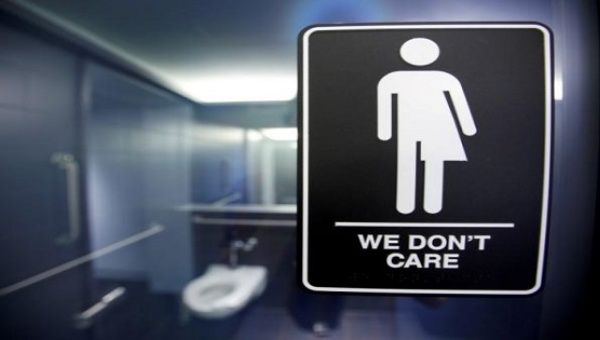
(419, 51)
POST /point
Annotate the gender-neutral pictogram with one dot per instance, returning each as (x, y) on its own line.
(424, 100)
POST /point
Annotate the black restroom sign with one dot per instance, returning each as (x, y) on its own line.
(425, 157)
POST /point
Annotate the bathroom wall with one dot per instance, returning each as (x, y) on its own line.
(249, 115)
(218, 162)
(139, 143)
(271, 167)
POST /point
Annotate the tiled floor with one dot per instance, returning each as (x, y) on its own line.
(273, 323)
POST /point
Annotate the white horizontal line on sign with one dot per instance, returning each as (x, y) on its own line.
(425, 224)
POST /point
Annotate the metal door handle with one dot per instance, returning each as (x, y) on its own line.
(68, 163)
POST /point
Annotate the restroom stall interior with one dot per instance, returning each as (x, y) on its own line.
(121, 188)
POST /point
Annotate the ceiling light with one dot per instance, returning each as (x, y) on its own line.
(241, 87)
(281, 134)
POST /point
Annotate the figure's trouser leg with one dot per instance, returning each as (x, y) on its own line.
(406, 177)
(434, 186)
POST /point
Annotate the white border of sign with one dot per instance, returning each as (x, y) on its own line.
(547, 153)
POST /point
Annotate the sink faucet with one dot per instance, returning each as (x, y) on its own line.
(235, 246)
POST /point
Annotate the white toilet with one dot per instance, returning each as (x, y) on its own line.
(223, 290)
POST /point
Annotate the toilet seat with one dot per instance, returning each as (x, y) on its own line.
(222, 291)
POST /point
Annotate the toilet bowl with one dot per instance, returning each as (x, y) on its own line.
(222, 291)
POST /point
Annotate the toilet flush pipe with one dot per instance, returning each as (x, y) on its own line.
(238, 245)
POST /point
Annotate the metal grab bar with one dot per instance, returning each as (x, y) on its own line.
(68, 163)
(152, 230)
(86, 318)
